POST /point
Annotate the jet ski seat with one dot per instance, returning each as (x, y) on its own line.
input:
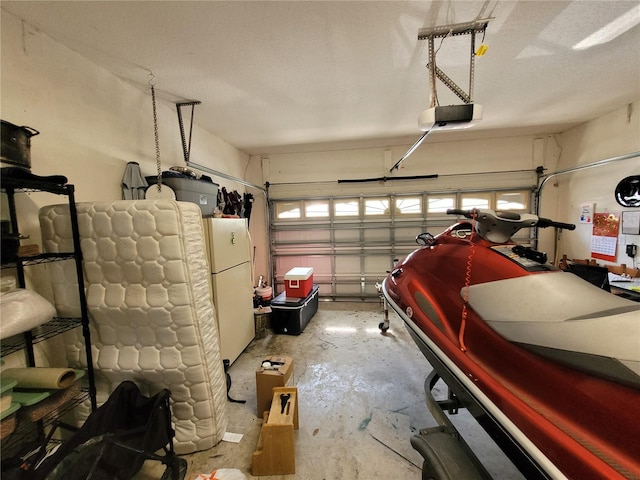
(569, 320)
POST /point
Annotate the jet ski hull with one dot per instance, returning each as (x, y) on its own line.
(569, 423)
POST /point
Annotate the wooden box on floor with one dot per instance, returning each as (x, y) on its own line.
(266, 379)
(275, 453)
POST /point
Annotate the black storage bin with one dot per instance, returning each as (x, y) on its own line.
(291, 315)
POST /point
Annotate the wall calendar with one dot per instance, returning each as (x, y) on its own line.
(604, 238)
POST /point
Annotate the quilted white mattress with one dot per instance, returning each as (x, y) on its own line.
(152, 317)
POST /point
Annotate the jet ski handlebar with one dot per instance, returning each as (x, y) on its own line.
(499, 226)
(509, 216)
(545, 222)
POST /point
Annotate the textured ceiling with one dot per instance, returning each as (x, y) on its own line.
(292, 76)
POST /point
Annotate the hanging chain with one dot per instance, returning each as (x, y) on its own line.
(433, 96)
(472, 65)
(155, 131)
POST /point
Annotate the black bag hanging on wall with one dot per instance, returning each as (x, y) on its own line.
(248, 205)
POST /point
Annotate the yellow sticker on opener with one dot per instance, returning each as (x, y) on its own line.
(482, 49)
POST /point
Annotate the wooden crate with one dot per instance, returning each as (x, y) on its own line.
(275, 453)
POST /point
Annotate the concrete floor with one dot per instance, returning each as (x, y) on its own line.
(361, 399)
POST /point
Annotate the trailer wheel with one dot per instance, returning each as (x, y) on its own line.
(444, 458)
(427, 472)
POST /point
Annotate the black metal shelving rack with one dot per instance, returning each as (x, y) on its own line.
(58, 325)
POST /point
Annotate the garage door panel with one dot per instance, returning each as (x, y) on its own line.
(319, 235)
(320, 265)
(405, 235)
(347, 265)
(378, 235)
(377, 265)
(322, 271)
(346, 289)
(347, 235)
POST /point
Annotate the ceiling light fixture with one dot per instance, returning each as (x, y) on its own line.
(450, 117)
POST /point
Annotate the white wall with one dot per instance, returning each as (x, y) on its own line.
(451, 160)
(615, 134)
(92, 123)
(610, 136)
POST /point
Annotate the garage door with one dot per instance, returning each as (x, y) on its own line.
(352, 241)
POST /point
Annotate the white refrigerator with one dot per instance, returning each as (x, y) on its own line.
(229, 251)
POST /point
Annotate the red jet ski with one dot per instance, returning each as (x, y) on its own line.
(548, 363)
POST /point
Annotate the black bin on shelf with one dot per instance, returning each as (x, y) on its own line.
(291, 315)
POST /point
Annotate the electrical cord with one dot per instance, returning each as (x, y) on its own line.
(467, 283)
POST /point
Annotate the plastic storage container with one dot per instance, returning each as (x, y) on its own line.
(202, 193)
(298, 282)
(292, 315)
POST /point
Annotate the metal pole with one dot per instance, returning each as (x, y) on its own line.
(600, 163)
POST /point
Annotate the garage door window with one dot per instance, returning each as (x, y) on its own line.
(376, 206)
(316, 209)
(518, 201)
(475, 200)
(440, 204)
(408, 205)
(346, 207)
(288, 210)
